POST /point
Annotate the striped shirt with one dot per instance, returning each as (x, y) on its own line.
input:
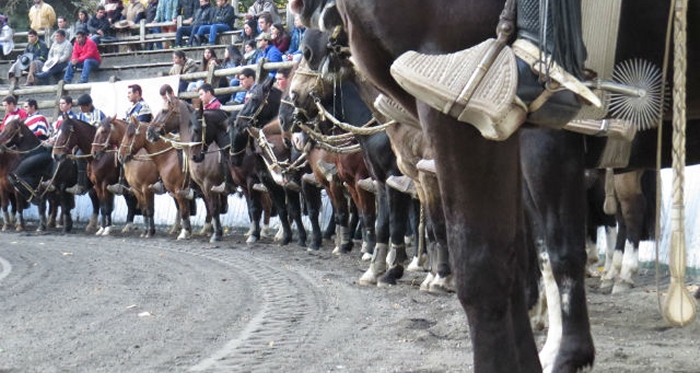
(93, 116)
(38, 124)
(141, 110)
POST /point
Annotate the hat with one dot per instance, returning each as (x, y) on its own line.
(264, 36)
(49, 64)
(24, 60)
(84, 99)
(121, 24)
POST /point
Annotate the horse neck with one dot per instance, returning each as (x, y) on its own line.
(85, 136)
(28, 141)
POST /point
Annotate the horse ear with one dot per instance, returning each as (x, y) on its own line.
(269, 82)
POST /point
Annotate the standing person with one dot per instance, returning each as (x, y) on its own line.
(85, 55)
(139, 108)
(221, 21)
(9, 106)
(6, 36)
(99, 26)
(261, 6)
(32, 60)
(114, 10)
(187, 9)
(36, 122)
(206, 96)
(41, 16)
(204, 15)
(66, 27)
(166, 11)
(182, 65)
(59, 57)
(90, 114)
(134, 12)
(280, 37)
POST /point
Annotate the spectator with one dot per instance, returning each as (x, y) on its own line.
(246, 80)
(82, 22)
(151, 10)
(134, 12)
(59, 57)
(261, 6)
(139, 107)
(221, 21)
(65, 108)
(31, 60)
(294, 51)
(251, 54)
(114, 10)
(267, 50)
(99, 26)
(250, 32)
(207, 98)
(232, 58)
(264, 22)
(6, 36)
(166, 11)
(182, 65)
(41, 16)
(187, 9)
(209, 60)
(204, 15)
(280, 38)
(36, 122)
(67, 29)
(85, 55)
(9, 106)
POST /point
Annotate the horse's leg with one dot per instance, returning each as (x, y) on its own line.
(278, 197)
(312, 197)
(149, 214)
(294, 210)
(628, 189)
(330, 227)
(92, 224)
(183, 205)
(482, 201)
(553, 172)
(440, 278)
(53, 211)
(267, 205)
(342, 236)
(399, 205)
(67, 202)
(377, 265)
(107, 206)
(132, 205)
(255, 211)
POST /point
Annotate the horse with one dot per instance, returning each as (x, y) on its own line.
(341, 86)
(8, 203)
(247, 134)
(178, 116)
(34, 165)
(165, 157)
(73, 134)
(480, 183)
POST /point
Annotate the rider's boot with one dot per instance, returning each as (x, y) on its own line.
(81, 186)
(158, 187)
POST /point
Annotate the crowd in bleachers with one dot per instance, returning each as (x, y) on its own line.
(58, 48)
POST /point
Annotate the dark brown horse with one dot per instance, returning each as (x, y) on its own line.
(8, 203)
(480, 183)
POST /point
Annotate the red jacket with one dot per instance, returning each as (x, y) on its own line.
(85, 51)
(18, 113)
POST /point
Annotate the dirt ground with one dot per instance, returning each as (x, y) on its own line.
(106, 304)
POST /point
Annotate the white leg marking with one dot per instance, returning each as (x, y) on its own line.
(551, 347)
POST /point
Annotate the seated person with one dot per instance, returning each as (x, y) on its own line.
(99, 27)
(182, 65)
(222, 20)
(85, 55)
(31, 60)
(6, 35)
(204, 15)
(262, 6)
(35, 121)
(59, 57)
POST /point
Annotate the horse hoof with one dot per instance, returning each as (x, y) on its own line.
(622, 286)
(366, 257)
(369, 277)
(106, 231)
(425, 285)
(215, 238)
(184, 235)
(99, 231)
(251, 239)
(416, 265)
(442, 285)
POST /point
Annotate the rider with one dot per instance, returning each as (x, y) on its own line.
(142, 112)
(89, 114)
(65, 107)
(35, 121)
(9, 105)
(206, 96)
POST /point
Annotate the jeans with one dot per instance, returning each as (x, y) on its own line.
(212, 30)
(55, 70)
(87, 65)
(158, 45)
(185, 31)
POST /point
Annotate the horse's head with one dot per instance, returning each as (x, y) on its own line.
(262, 105)
(316, 13)
(239, 139)
(134, 140)
(322, 70)
(12, 133)
(103, 141)
(174, 116)
(73, 133)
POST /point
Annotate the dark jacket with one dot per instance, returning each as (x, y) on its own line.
(103, 24)
(187, 8)
(225, 15)
(39, 50)
(151, 9)
(203, 16)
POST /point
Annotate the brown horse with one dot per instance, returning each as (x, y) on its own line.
(8, 203)
(165, 157)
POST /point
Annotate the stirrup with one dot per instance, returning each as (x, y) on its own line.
(221, 188)
(327, 169)
(187, 193)
(157, 187)
(368, 184)
(118, 189)
(427, 165)
(393, 110)
(402, 183)
(47, 186)
(310, 178)
(76, 189)
(260, 187)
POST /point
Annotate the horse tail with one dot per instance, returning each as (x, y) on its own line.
(649, 190)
